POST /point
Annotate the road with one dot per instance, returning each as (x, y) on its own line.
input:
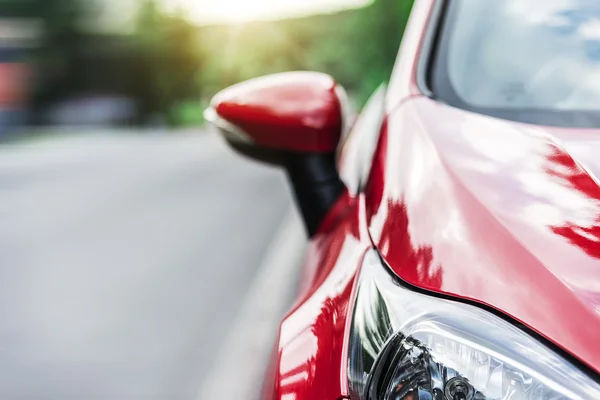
(124, 262)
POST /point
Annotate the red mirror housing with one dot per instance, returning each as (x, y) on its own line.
(295, 111)
(293, 120)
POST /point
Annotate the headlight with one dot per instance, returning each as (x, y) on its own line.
(407, 345)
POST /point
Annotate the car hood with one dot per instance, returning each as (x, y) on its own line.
(501, 213)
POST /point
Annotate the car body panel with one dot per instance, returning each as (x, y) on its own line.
(311, 352)
(498, 212)
(355, 154)
(312, 337)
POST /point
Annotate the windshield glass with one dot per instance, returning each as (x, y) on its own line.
(529, 60)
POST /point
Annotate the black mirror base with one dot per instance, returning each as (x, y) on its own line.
(314, 178)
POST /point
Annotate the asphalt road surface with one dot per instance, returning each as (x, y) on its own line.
(124, 260)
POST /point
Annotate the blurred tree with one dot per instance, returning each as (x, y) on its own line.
(376, 33)
(168, 64)
(171, 59)
(357, 47)
(58, 61)
(391, 16)
(15, 8)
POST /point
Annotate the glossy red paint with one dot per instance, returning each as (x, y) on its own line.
(311, 353)
(296, 111)
(501, 213)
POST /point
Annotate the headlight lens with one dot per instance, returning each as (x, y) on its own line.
(406, 345)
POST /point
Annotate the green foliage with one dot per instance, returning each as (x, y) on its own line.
(357, 47)
(57, 59)
(185, 63)
(172, 56)
(17, 8)
(170, 65)
(187, 113)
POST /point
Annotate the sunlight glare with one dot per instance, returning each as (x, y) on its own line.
(236, 11)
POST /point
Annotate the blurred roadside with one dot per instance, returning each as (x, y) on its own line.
(73, 63)
(126, 261)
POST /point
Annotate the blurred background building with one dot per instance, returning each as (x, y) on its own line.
(19, 38)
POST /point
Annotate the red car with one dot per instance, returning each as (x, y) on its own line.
(455, 227)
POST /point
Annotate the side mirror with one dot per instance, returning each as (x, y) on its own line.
(294, 120)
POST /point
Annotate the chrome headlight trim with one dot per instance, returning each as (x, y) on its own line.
(397, 332)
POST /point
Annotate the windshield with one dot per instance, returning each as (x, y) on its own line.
(534, 61)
